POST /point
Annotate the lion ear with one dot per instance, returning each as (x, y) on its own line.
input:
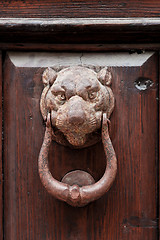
(49, 76)
(105, 76)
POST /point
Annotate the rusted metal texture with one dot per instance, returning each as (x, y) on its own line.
(76, 103)
(76, 97)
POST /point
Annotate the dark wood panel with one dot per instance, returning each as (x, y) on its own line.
(80, 30)
(158, 162)
(80, 47)
(129, 209)
(69, 8)
(1, 172)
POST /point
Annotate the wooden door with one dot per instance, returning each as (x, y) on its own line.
(129, 210)
(1, 169)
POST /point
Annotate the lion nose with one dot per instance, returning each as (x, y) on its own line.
(76, 120)
(76, 115)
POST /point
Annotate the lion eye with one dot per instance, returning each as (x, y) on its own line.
(61, 97)
(92, 95)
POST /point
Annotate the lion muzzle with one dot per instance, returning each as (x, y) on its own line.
(76, 113)
(75, 121)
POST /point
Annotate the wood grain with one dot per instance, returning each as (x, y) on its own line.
(1, 171)
(80, 47)
(158, 161)
(80, 30)
(129, 209)
(77, 8)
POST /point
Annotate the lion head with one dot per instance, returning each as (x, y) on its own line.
(76, 97)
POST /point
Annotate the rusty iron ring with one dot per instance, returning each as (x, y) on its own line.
(74, 195)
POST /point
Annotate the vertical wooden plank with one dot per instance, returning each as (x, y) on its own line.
(136, 142)
(158, 165)
(1, 172)
(9, 169)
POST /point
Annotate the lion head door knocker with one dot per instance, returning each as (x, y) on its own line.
(76, 103)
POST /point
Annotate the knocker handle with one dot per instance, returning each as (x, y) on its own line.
(75, 195)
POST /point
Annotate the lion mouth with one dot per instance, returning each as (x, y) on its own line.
(76, 139)
(77, 135)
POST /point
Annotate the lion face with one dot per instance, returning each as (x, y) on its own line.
(76, 97)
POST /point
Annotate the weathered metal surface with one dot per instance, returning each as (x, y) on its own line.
(79, 177)
(76, 97)
(75, 103)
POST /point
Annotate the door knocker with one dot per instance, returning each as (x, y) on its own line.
(75, 103)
